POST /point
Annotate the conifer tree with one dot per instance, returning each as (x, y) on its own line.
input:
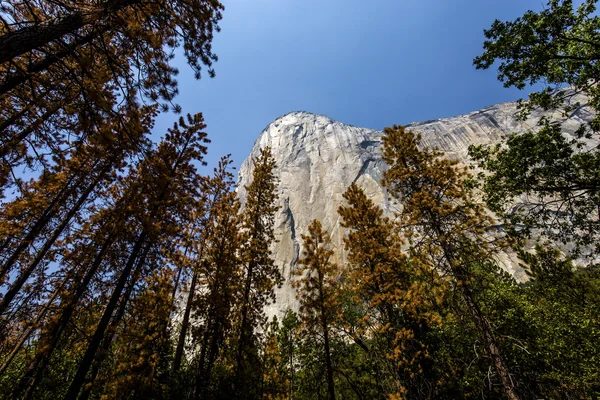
(444, 225)
(395, 294)
(88, 256)
(212, 225)
(221, 279)
(316, 287)
(163, 180)
(260, 274)
(67, 67)
(139, 363)
(288, 344)
(273, 385)
(41, 215)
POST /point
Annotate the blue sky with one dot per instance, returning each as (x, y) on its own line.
(367, 63)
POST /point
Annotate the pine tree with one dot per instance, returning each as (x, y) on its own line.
(212, 225)
(67, 67)
(396, 297)
(220, 272)
(260, 274)
(444, 225)
(88, 264)
(288, 344)
(139, 363)
(41, 215)
(316, 287)
(273, 383)
(163, 178)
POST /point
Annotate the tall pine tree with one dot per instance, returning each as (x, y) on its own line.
(445, 227)
(317, 286)
(260, 274)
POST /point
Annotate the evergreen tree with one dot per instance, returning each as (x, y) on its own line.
(220, 273)
(67, 67)
(210, 223)
(288, 341)
(274, 384)
(139, 363)
(316, 289)
(164, 179)
(44, 212)
(260, 274)
(395, 296)
(445, 227)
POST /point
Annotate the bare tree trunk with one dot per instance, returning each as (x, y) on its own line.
(107, 341)
(185, 324)
(96, 340)
(19, 42)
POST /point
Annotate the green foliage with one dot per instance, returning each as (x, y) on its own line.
(316, 286)
(542, 180)
(554, 177)
(558, 46)
(549, 181)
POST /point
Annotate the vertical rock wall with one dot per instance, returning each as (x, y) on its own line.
(317, 158)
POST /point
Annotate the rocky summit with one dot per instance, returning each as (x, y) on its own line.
(318, 158)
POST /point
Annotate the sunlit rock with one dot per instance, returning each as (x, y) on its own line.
(317, 158)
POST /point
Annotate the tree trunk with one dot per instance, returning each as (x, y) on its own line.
(243, 329)
(88, 358)
(19, 137)
(31, 328)
(492, 347)
(107, 341)
(37, 367)
(18, 284)
(214, 328)
(185, 324)
(19, 78)
(325, 327)
(328, 364)
(36, 229)
(201, 376)
(215, 342)
(291, 396)
(16, 43)
(483, 325)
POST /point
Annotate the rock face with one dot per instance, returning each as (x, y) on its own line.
(318, 158)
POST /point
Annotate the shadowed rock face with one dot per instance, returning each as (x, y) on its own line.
(318, 158)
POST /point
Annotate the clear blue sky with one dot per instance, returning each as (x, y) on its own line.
(367, 63)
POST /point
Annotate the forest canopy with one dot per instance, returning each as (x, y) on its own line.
(127, 273)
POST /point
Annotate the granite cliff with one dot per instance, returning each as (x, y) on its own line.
(317, 158)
